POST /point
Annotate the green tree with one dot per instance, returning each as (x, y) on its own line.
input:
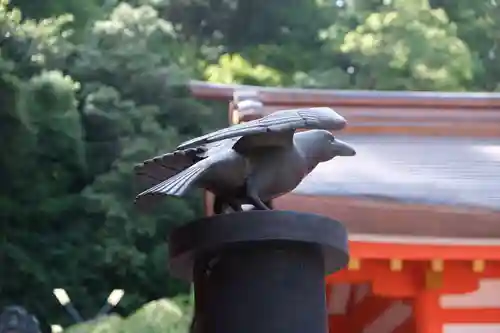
(405, 46)
(163, 315)
(75, 120)
(235, 69)
(41, 159)
(82, 11)
(478, 26)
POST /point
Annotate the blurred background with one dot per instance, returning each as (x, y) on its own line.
(88, 88)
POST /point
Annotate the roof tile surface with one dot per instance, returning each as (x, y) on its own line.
(454, 171)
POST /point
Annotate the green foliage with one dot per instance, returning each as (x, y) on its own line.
(160, 316)
(409, 41)
(105, 324)
(478, 26)
(75, 120)
(235, 69)
(81, 11)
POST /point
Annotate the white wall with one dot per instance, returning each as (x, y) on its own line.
(471, 328)
(486, 296)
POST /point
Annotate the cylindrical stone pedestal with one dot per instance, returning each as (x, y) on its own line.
(259, 271)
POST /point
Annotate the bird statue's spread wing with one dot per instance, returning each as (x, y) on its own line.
(284, 122)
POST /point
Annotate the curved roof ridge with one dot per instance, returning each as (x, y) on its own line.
(308, 96)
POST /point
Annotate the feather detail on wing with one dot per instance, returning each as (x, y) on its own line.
(280, 121)
(178, 184)
(153, 171)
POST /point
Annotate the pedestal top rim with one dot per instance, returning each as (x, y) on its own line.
(213, 232)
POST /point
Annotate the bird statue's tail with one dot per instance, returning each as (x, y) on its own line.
(176, 185)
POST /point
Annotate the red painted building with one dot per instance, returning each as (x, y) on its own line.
(421, 201)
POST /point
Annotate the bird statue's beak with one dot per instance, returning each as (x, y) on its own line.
(343, 149)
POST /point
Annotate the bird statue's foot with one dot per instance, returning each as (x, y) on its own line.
(269, 204)
(224, 206)
(258, 203)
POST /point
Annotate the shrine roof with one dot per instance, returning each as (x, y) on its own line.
(435, 170)
(309, 97)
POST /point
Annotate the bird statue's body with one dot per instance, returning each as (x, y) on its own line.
(249, 163)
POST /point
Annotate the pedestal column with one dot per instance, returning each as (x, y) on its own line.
(259, 271)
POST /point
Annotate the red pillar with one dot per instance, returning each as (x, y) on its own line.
(427, 312)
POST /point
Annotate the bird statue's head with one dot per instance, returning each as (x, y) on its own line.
(326, 146)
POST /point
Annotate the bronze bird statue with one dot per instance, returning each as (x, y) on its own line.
(249, 163)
